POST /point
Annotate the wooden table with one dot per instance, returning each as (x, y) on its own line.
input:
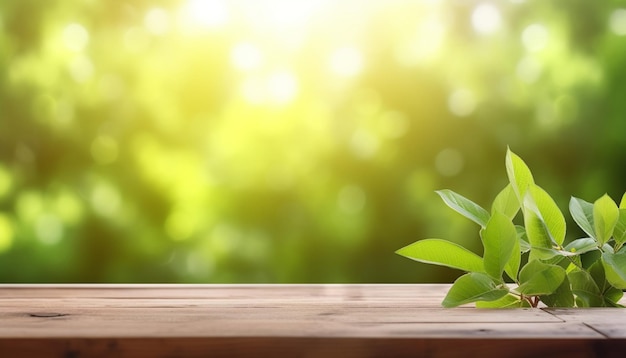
(288, 321)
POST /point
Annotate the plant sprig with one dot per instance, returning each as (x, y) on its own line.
(523, 265)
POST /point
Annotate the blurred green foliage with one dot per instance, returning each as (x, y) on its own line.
(289, 141)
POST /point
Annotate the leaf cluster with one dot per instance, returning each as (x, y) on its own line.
(528, 263)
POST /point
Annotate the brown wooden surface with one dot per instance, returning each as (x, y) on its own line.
(290, 321)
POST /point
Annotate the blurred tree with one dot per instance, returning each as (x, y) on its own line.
(280, 141)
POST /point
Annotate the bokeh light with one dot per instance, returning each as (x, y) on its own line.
(535, 37)
(246, 57)
(205, 13)
(462, 102)
(346, 62)
(157, 21)
(6, 233)
(617, 22)
(75, 37)
(486, 19)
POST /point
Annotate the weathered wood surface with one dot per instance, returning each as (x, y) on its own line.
(290, 321)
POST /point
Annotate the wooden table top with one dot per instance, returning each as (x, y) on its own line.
(324, 320)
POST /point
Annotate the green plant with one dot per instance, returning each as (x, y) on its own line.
(523, 265)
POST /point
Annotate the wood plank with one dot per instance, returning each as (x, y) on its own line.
(71, 320)
(286, 320)
(358, 295)
(142, 326)
(346, 312)
(185, 321)
(611, 322)
(354, 292)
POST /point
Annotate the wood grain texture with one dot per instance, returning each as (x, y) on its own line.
(287, 320)
(610, 322)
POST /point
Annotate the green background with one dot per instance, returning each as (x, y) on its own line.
(290, 141)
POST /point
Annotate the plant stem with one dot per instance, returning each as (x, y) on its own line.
(535, 301)
(532, 301)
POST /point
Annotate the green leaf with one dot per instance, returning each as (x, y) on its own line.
(506, 202)
(589, 258)
(519, 174)
(622, 204)
(580, 246)
(464, 206)
(512, 266)
(542, 205)
(574, 264)
(615, 268)
(605, 215)
(562, 297)
(444, 253)
(596, 270)
(524, 245)
(585, 288)
(582, 213)
(619, 233)
(600, 293)
(609, 295)
(612, 296)
(499, 239)
(536, 231)
(538, 236)
(473, 287)
(538, 278)
(508, 301)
